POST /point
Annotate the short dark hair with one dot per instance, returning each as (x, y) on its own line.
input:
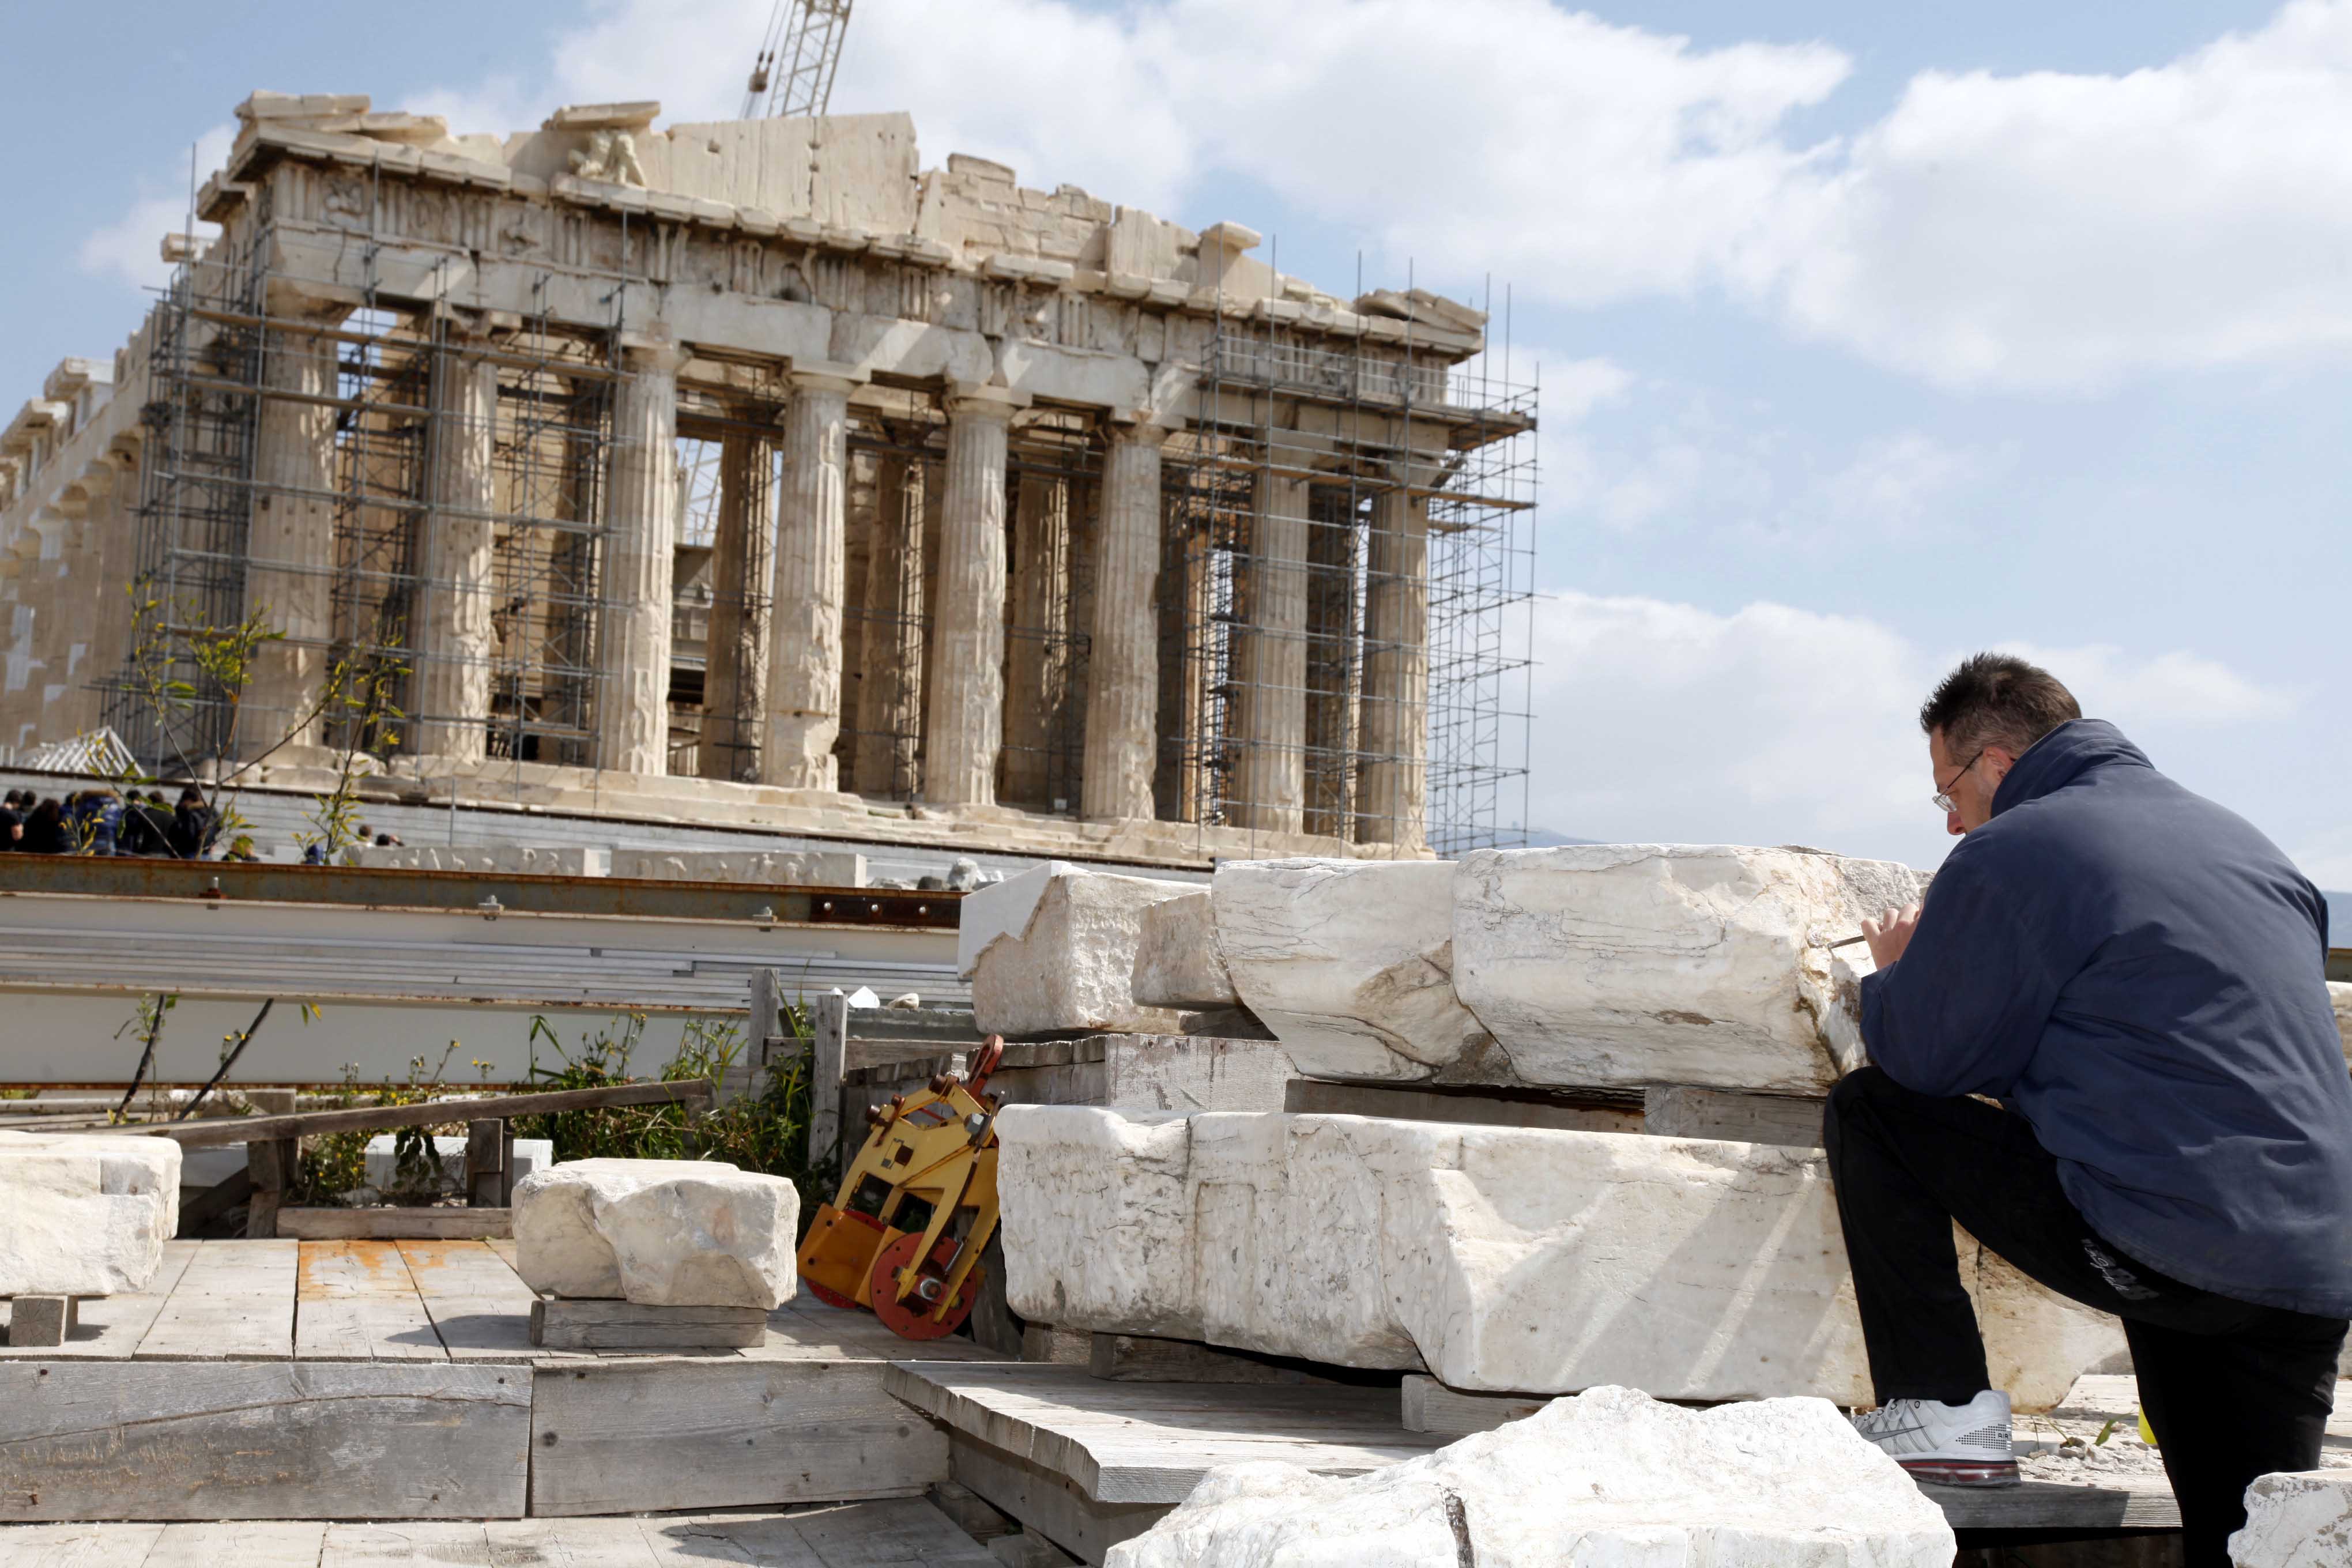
(1997, 699)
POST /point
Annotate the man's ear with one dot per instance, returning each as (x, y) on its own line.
(1999, 760)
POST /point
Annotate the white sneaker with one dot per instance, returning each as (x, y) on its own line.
(1951, 1445)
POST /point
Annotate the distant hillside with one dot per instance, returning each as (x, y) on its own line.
(2339, 919)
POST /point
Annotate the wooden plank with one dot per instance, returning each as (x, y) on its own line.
(355, 1301)
(806, 1329)
(1682, 1110)
(271, 1168)
(408, 1543)
(890, 1533)
(110, 1327)
(76, 1545)
(644, 1433)
(695, 1093)
(575, 1544)
(234, 1301)
(627, 1326)
(91, 1440)
(1428, 1405)
(486, 1163)
(2123, 1502)
(1053, 1506)
(397, 1224)
(238, 1543)
(479, 1306)
(829, 1026)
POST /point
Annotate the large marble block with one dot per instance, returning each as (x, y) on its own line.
(1177, 961)
(1349, 963)
(661, 1233)
(1630, 964)
(1501, 1259)
(2296, 1519)
(85, 1215)
(1609, 1479)
(1052, 951)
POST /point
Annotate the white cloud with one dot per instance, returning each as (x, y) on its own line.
(131, 247)
(1771, 724)
(1894, 480)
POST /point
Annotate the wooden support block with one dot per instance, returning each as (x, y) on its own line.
(562, 1325)
(271, 1165)
(1134, 1358)
(1050, 1504)
(397, 1224)
(1680, 1110)
(1057, 1347)
(829, 1023)
(1428, 1405)
(485, 1162)
(40, 1321)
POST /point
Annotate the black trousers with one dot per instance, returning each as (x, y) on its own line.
(2232, 1391)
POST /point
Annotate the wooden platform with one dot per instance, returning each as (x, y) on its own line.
(322, 1380)
(1090, 1463)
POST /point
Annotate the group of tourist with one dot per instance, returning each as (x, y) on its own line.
(105, 821)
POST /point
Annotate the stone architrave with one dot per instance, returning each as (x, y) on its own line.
(1269, 791)
(1053, 951)
(1123, 666)
(966, 692)
(640, 541)
(735, 657)
(661, 1233)
(2296, 1519)
(85, 1215)
(290, 574)
(1631, 964)
(1177, 964)
(1611, 1477)
(1394, 807)
(1501, 1259)
(810, 578)
(456, 639)
(1349, 963)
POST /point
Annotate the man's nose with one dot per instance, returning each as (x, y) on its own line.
(1952, 823)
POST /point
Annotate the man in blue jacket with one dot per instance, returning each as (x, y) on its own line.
(2137, 976)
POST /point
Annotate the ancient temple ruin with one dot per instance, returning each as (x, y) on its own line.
(751, 471)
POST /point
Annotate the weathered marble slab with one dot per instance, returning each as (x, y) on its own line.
(85, 1214)
(1177, 962)
(2300, 1519)
(1501, 1259)
(1052, 951)
(1349, 963)
(1628, 964)
(661, 1233)
(1609, 1477)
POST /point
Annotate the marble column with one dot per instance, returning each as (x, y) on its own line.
(804, 604)
(632, 642)
(966, 700)
(1395, 725)
(1123, 667)
(454, 638)
(1037, 660)
(890, 683)
(735, 650)
(1268, 792)
(290, 573)
(1333, 670)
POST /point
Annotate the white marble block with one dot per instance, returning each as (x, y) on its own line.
(1052, 951)
(2297, 1519)
(1500, 1259)
(661, 1233)
(1628, 964)
(1349, 963)
(1177, 964)
(1609, 1479)
(85, 1215)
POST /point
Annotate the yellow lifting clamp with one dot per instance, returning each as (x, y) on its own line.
(904, 1234)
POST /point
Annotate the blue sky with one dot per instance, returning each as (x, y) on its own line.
(1870, 335)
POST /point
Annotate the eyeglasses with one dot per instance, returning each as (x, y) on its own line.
(1941, 797)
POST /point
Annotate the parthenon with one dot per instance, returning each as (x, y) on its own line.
(749, 472)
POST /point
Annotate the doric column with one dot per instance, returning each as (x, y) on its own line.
(890, 685)
(735, 658)
(967, 693)
(1123, 667)
(811, 524)
(640, 535)
(454, 638)
(1333, 672)
(1037, 661)
(290, 573)
(1270, 702)
(1396, 674)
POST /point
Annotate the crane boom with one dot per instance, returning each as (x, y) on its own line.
(792, 75)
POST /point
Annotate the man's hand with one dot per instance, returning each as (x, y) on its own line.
(1891, 934)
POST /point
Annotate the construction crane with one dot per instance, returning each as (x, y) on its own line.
(793, 73)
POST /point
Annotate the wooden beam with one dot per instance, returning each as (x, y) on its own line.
(829, 1023)
(397, 1224)
(1049, 1504)
(627, 1326)
(693, 1093)
(485, 1162)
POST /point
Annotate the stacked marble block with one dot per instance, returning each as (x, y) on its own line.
(1502, 1259)
(643, 1255)
(81, 1216)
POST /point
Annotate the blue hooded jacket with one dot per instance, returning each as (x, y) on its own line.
(2140, 974)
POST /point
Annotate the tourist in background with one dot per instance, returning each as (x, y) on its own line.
(191, 831)
(12, 821)
(44, 828)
